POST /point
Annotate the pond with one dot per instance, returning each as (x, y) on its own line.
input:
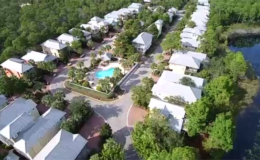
(247, 120)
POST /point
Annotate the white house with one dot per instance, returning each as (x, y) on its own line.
(95, 24)
(135, 7)
(175, 77)
(170, 16)
(173, 10)
(53, 47)
(86, 33)
(38, 57)
(186, 61)
(143, 42)
(16, 118)
(32, 141)
(16, 67)
(190, 43)
(64, 146)
(163, 89)
(67, 38)
(174, 113)
(159, 25)
(106, 57)
(147, 1)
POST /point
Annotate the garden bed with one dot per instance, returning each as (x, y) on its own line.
(90, 92)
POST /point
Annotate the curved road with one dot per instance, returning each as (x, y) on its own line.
(116, 112)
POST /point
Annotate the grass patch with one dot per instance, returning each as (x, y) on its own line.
(90, 93)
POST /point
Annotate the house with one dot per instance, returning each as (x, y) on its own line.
(112, 17)
(196, 32)
(33, 140)
(16, 67)
(174, 113)
(170, 16)
(135, 7)
(203, 2)
(64, 146)
(53, 47)
(67, 39)
(173, 10)
(38, 57)
(95, 24)
(16, 118)
(190, 43)
(11, 156)
(147, 1)
(143, 42)
(159, 25)
(186, 61)
(106, 57)
(175, 77)
(86, 33)
(163, 89)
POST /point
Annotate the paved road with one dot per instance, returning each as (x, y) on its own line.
(115, 113)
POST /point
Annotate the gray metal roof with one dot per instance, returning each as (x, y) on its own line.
(54, 44)
(13, 115)
(63, 146)
(43, 124)
(143, 38)
(185, 60)
(177, 112)
(38, 57)
(189, 94)
(17, 65)
(174, 77)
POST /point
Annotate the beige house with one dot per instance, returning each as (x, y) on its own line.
(53, 47)
(64, 146)
(16, 118)
(183, 61)
(32, 141)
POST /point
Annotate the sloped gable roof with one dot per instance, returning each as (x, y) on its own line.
(67, 37)
(17, 65)
(14, 110)
(54, 44)
(43, 124)
(63, 146)
(188, 93)
(143, 38)
(38, 57)
(185, 60)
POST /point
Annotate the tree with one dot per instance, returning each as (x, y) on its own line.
(112, 150)
(185, 153)
(153, 66)
(95, 157)
(80, 75)
(38, 86)
(166, 18)
(160, 57)
(155, 135)
(187, 81)
(108, 47)
(191, 24)
(106, 132)
(70, 125)
(221, 134)
(127, 64)
(178, 100)
(100, 53)
(55, 101)
(90, 44)
(12, 85)
(93, 55)
(80, 64)
(172, 41)
(76, 46)
(199, 116)
(80, 109)
(153, 30)
(148, 83)
(47, 100)
(71, 73)
(46, 66)
(220, 90)
(105, 85)
(117, 73)
(135, 57)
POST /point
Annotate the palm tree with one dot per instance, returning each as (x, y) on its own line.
(93, 55)
(160, 57)
(80, 64)
(108, 47)
(117, 73)
(90, 43)
(100, 53)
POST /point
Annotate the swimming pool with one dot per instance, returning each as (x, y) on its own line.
(105, 73)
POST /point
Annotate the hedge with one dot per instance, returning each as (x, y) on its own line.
(90, 92)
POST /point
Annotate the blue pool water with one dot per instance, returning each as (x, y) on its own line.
(105, 73)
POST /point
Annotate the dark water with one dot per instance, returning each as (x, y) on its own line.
(247, 120)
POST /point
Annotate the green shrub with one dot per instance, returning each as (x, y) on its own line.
(85, 84)
(99, 88)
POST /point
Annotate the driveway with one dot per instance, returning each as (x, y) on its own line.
(115, 113)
